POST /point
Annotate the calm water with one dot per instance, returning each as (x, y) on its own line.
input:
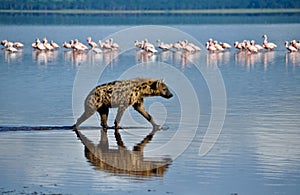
(257, 152)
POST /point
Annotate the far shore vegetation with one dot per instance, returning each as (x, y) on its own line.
(179, 11)
(154, 6)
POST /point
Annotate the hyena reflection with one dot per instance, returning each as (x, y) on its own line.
(121, 95)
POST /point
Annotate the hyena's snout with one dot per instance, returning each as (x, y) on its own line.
(166, 93)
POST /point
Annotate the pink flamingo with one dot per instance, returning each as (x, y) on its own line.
(251, 47)
(114, 46)
(268, 45)
(291, 48)
(210, 46)
(54, 45)
(67, 45)
(91, 43)
(79, 46)
(225, 45)
(47, 45)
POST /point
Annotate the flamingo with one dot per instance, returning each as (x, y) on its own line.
(3, 42)
(138, 44)
(151, 49)
(210, 41)
(295, 44)
(185, 46)
(94, 46)
(225, 45)
(66, 45)
(251, 47)
(47, 45)
(244, 44)
(40, 45)
(218, 46)
(79, 46)
(210, 47)
(176, 45)
(238, 45)
(18, 45)
(7, 43)
(258, 46)
(105, 45)
(164, 46)
(91, 43)
(72, 44)
(114, 46)
(54, 45)
(268, 45)
(9, 47)
(148, 46)
(291, 48)
(34, 44)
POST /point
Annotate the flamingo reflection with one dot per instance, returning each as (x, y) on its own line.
(12, 56)
(250, 60)
(292, 58)
(44, 57)
(215, 59)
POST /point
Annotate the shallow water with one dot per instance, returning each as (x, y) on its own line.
(257, 152)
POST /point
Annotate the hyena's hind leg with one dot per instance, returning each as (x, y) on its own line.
(103, 112)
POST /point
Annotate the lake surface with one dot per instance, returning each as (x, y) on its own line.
(233, 123)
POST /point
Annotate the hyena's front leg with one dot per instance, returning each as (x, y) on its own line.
(141, 109)
(120, 112)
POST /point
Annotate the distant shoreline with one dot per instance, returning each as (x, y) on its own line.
(196, 11)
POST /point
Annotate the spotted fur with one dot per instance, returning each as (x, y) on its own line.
(122, 94)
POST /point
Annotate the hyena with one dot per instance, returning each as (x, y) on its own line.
(122, 94)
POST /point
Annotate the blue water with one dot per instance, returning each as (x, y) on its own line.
(257, 151)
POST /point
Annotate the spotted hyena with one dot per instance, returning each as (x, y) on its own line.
(121, 95)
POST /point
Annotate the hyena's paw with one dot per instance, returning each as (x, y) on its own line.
(104, 127)
(74, 127)
(118, 127)
(160, 127)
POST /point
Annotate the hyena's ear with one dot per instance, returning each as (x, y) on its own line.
(156, 83)
(160, 81)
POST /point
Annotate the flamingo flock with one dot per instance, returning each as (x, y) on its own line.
(184, 45)
(252, 47)
(44, 44)
(293, 46)
(213, 45)
(249, 46)
(76, 45)
(12, 46)
(93, 46)
(245, 45)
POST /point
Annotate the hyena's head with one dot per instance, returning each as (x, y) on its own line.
(161, 89)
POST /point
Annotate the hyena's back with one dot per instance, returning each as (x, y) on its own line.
(114, 94)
